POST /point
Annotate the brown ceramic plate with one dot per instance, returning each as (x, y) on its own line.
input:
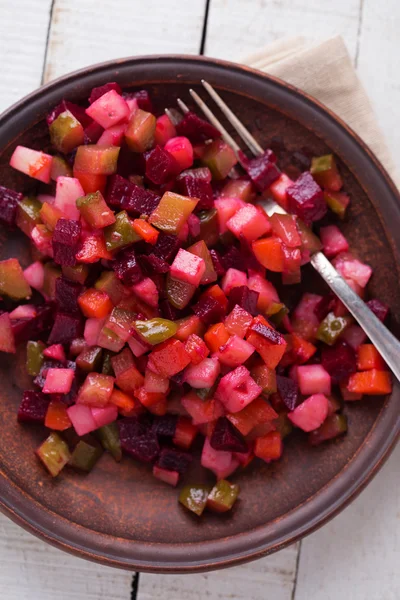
(119, 514)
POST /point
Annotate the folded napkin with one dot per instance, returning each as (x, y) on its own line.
(325, 71)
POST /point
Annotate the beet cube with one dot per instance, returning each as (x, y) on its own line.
(168, 311)
(233, 259)
(288, 391)
(161, 166)
(226, 437)
(339, 360)
(31, 329)
(77, 111)
(127, 267)
(153, 264)
(209, 310)
(8, 205)
(174, 460)
(245, 298)
(268, 333)
(166, 247)
(196, 183)
(65, 242)
(262, 170)
(140, 201)
(196, 130)
(66, 328)
(380, 309)
(165, 426)
(97, 92)
(33, 407)
(67, 293)
(306, 199)
(143, 99)
(138, 439)
(118, 189)
(217, 263)
(325, 306)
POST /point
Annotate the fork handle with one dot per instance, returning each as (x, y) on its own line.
(385, 342)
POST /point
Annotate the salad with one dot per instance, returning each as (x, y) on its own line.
(148, 312)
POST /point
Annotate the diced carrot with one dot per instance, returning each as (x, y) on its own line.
(185, 433)
(188, 326)
(368, 358)
(148, 399)
(95, 304)
(146, 231)
(269, 447)
(216, 336)
(371, 382)
(57, 417)
(216, 292)
(269, 253)
(122, 400)
(93, 249)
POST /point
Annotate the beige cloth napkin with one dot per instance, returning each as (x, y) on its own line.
(325, 70)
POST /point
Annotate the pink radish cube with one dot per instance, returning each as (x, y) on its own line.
(34, 275)
(137, 346)
(7, 342)
(104, 416)
(193, 224)
(58, 381)
(313, 379)
(68, 190)
(267, 292)
(25, 311)
(113, 136)
(182, 150)
(201, 411)
(34, 163)
(237, 389)
(226, 208)
(109, 109)
(235, 352)
(249, 222)
(165, 130)
(204, 374)
(333, 240)
(56, 352)
(147, 291)
(183, 233)
(154, 383)
(278, 190)
(82, 419)
(238, 321)
(171, 477)
(188, 267)
(311, 413)
(220, 462)
(42, 240)
(351, 268)
(233, 278)
(354, 336)
(92, 330)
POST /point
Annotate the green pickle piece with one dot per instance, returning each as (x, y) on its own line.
(333, 426)
(331, 328)
(219, 158)
(51, 273)
(194, 498)
(107, 368)
(109, 283)
(28, 214)
(283, 425)
(34, 357)
(209, 229)
(179, 293)
(120, 233)
(90, 359)
(77, 273)
(66, 132)
(156, 330)
(12, 280)
(54, 454)
(223, 496)
(85, 456)
(109, 439)
(60, 168)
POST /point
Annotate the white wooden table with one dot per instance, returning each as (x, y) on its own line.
(356, 556)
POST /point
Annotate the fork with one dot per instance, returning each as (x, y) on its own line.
(385, 342)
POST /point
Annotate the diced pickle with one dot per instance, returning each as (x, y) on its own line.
(90, 359)
(109, 439)
(179, 293)
(209, 230)
(172, 212)
(107, 368)
(51, 274)
(219, 158)
(66, 133)
(194, 498)
(12, 280)
(140, 132)
(85, 456)
(28, 214)
(54, 454)
(34, 357)
(121, 233)
(331, 328)
(223, 496)
(156, 330)
(77, 273)
(333, 426)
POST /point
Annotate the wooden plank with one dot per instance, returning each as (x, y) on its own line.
(270, 577)
(33, 570)
(237, 28)
(356, 556)
(23, 33)
(83, 33)
(378, 65)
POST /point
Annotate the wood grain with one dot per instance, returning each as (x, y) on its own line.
(23, 34)
(84, 33)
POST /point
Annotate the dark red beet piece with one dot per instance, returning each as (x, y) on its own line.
(72, 395)
(78, 112)
(67, 294)
(225, 436)
(325, 306)
(97, 92)
(66, 328)
(209, 310)
(153, 264)
(165, 425)
(217, 263)
(143, 99)
(166, 247)
(138, 439)
(306, 199)
(140, 201)
(33, 407)
(233, 259)
(66, 241)
(246, 298)
(195, 183)
(8, 205)
(380, 309)
(32, 329)
(339, 360)
(178, 385)
(196, 130)
(161, 166)
(288, 391)
(92, 133)
(168, 311)
(262, 170)
(127, 267)
(118, 188)
(268, 333)
(174, 460)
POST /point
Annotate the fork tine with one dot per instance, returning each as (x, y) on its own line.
(244, 133)
(174, 118)
(214, 121)
(182, 106)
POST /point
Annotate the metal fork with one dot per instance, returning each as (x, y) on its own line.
(380, 336)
